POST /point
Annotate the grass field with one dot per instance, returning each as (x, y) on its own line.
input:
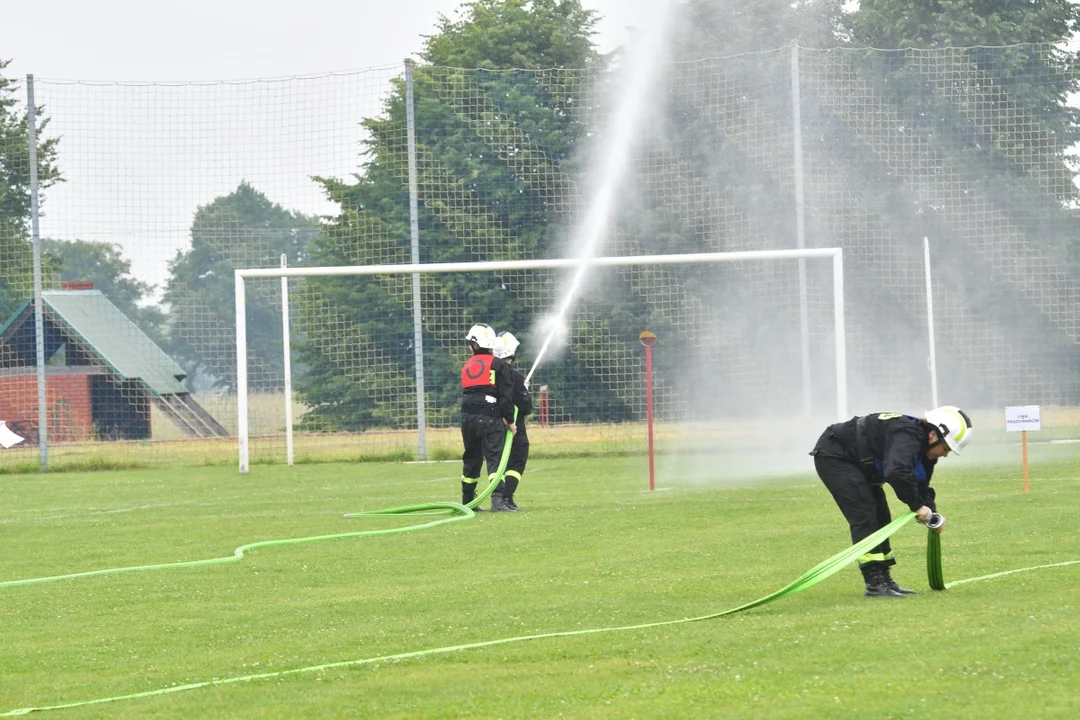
(593, 549)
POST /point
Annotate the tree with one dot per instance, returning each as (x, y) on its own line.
(509, 34)
(987, 88)
(723, 28)
(962, 23)
(495, 149)
(1017, 57)
(715, 175)
(243, 229)
(940, 134)
(16, 253)
(104, 265)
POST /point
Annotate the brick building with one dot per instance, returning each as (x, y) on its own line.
(102, 373)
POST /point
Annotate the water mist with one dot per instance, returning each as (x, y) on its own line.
(638, 76)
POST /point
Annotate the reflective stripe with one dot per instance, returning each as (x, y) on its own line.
(875, 557)
(469, 481)
(513, 474)
(963, 425)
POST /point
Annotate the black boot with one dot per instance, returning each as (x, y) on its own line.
(876, 585)
(498, 501)
(508, 495)
(892, 583)
(468, 493)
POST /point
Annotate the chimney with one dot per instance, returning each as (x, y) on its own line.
(77, 285)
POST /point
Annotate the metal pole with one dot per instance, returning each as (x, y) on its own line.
(241, 372)
(932, 360)
(800, 228)
(414, 229)
(39, 314)
(286, 342)
(841, 339)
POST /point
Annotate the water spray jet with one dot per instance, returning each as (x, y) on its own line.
(638, 77)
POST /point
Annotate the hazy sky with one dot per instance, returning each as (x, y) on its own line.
(140, 150)
(234, 39)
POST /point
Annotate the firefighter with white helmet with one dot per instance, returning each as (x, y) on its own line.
(854, 459)
(487, 413)
(506, 347)
(954, 427)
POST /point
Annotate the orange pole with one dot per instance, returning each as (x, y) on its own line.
(545, 420)
(648, 402)
(1023, 445)
(648, 339)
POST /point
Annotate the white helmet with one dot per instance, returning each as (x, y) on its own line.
(483, 335)
(952, 425)
(506, 345)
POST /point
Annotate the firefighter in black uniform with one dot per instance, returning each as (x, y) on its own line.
(855, 458)
(506, 347)
(487, 413)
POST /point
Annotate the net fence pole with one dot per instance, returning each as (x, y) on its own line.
(932, 359)
(242, 372)
(800, 229)
(414, 231)
(841, 338)
(39, 315)
(286, 343)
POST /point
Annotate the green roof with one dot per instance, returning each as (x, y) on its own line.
(113, 337)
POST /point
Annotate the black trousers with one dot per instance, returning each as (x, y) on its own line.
(483, 437)
(863, 504)
(519, 453)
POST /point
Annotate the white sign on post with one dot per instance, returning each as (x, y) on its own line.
(1022, 417)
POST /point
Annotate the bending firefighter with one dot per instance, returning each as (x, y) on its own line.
(855, 458)
(506, 347)
(487, 412)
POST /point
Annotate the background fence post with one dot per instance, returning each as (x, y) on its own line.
(414, 229)
(39, 319)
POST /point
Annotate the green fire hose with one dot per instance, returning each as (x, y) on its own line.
(808, 579)
(456, 512)
(933, 561)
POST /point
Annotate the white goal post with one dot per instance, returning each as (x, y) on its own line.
(835, 254)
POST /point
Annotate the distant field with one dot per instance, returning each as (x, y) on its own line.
(793, 436)
(594, 549)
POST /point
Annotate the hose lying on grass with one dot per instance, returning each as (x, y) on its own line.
(817, 574)
(808, 579)
(456, 512)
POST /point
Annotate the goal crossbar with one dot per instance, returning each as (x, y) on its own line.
(416, 269)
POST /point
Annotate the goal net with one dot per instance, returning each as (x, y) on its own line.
(735, 349)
